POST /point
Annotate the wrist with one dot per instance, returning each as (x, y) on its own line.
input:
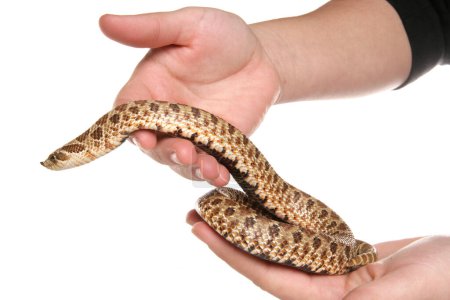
(277, 50)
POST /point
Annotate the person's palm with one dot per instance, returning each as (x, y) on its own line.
(203, 57)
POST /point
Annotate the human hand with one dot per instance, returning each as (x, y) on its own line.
(203, 57)
(406, 269)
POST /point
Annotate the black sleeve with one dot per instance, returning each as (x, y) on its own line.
(427, 24)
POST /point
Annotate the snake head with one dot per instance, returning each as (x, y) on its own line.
(54, 160)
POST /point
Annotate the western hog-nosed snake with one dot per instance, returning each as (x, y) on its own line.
(272, 219)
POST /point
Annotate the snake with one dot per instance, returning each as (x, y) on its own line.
(269, 218)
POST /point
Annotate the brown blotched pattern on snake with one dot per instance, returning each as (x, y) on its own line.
(272, 219)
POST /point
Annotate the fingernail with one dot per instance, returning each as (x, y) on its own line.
(135, 141)
(223, 178)
(198, 173)
(174, 159)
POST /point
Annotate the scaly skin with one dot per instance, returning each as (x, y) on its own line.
(272, 220)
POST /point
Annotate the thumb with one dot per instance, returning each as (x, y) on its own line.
(152, 30)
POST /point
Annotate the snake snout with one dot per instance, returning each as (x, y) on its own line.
(53, 161)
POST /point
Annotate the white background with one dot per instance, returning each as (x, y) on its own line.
(115, 229)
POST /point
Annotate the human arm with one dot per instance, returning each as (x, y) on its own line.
(345, 48)
(275, 72)
(352, 47)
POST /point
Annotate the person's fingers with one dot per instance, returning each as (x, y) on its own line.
(182, 156)
(362, 280)
(204, 168)
(223, 178)
(179, 154)
(152, 30)
(193, 217)
(144, 139)
(171, 151)
(413, 268)
(387, 248)
(207, 168)
(249, 266)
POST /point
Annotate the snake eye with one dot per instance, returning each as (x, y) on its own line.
(60, 156)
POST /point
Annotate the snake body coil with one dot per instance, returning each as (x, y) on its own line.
(272, 219)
